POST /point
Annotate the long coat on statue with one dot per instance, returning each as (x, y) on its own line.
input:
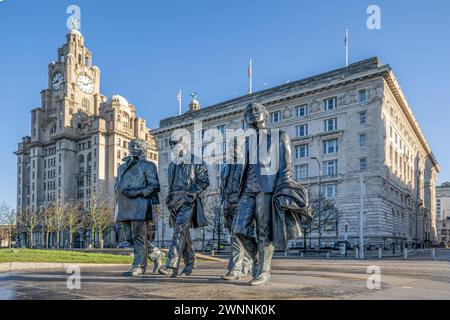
(140, 175)
(197, 180)
(290, 200)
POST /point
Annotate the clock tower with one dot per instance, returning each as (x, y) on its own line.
(73, 85)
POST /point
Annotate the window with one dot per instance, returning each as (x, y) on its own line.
(363, 94)
(362, 140)
(302, 130)
(330, 103)
(330, 191)
(302, 151)
(330, 168)
(275, 117)
(330, 124)
(85, 104)
(119, 142)
(302, 111)
(330, 146)
(362, 164)
(222, 129)
(301, 172)
(362, 117)
(118, 155)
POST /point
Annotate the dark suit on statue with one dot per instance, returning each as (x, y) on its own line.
(257, 185)
(134, 214)
(186, 182)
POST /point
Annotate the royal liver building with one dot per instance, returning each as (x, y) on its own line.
(346, 125)
(78, 136)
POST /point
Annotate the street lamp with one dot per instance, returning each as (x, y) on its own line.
(320, 199)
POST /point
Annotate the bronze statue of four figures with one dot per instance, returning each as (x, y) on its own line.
(263, 207)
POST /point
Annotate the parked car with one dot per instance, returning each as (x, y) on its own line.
(213, 245)
(348, 245)
(124, 245)
(295, 245)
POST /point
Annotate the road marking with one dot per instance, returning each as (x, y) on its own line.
(407, 287)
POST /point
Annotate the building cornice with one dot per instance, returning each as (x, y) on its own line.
(400, 98)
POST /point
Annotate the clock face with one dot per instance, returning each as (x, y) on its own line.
(85, 83)
(57, 81)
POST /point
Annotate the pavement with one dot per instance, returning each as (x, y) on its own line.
(292, 279)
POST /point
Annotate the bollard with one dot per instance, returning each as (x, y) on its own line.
(285, 253)
(405, 253)
(380, 253)
(357, 253)
(433, 254)
(301, 255)
(328, 255)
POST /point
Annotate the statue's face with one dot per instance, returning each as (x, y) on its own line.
(177, 148)
(135, 151)
(255, 117)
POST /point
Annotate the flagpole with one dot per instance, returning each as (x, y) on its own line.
(346, 47)
(179, 103)
(250, 75)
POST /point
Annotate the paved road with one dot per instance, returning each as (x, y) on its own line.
(418, 278)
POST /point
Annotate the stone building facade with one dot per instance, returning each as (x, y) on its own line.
(355, 121)
(443, 213)
(78, 136)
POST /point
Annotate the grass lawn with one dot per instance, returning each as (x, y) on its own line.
(27, 255)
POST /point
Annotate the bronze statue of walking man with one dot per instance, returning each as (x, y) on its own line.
(187, 180)
(239, 264)
(137, 187)
(269, 197)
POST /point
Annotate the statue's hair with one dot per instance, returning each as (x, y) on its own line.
(141, 145)
(260, 106)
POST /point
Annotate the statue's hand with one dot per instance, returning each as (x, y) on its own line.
(132, 194)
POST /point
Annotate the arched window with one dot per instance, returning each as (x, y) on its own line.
(53, 129)
(89, 157)
(126, 120)
(85, 104)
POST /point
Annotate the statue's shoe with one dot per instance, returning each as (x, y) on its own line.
(260, 280)
(233, 275)
(187, 270)
(136, 272)
(168, 272)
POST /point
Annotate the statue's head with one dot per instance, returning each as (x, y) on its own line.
(256, 115)
(179, 144)
(137, 147)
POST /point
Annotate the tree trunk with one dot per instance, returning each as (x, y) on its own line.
(70, 238)
(31, 240)
(46, 239)
(10, 236)
(93, 236)
(57, 239)
(100, 237)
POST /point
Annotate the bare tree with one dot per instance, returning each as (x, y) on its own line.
(326, 212)
(100, 217)
(8, 217)
(73, 222)
(49, 224)
(57, 213)
(29, 220)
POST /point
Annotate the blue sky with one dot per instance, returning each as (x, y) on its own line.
(147, 50)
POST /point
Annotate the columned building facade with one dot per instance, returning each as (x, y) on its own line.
(78, 137)
(357, 123)
(443, 214)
